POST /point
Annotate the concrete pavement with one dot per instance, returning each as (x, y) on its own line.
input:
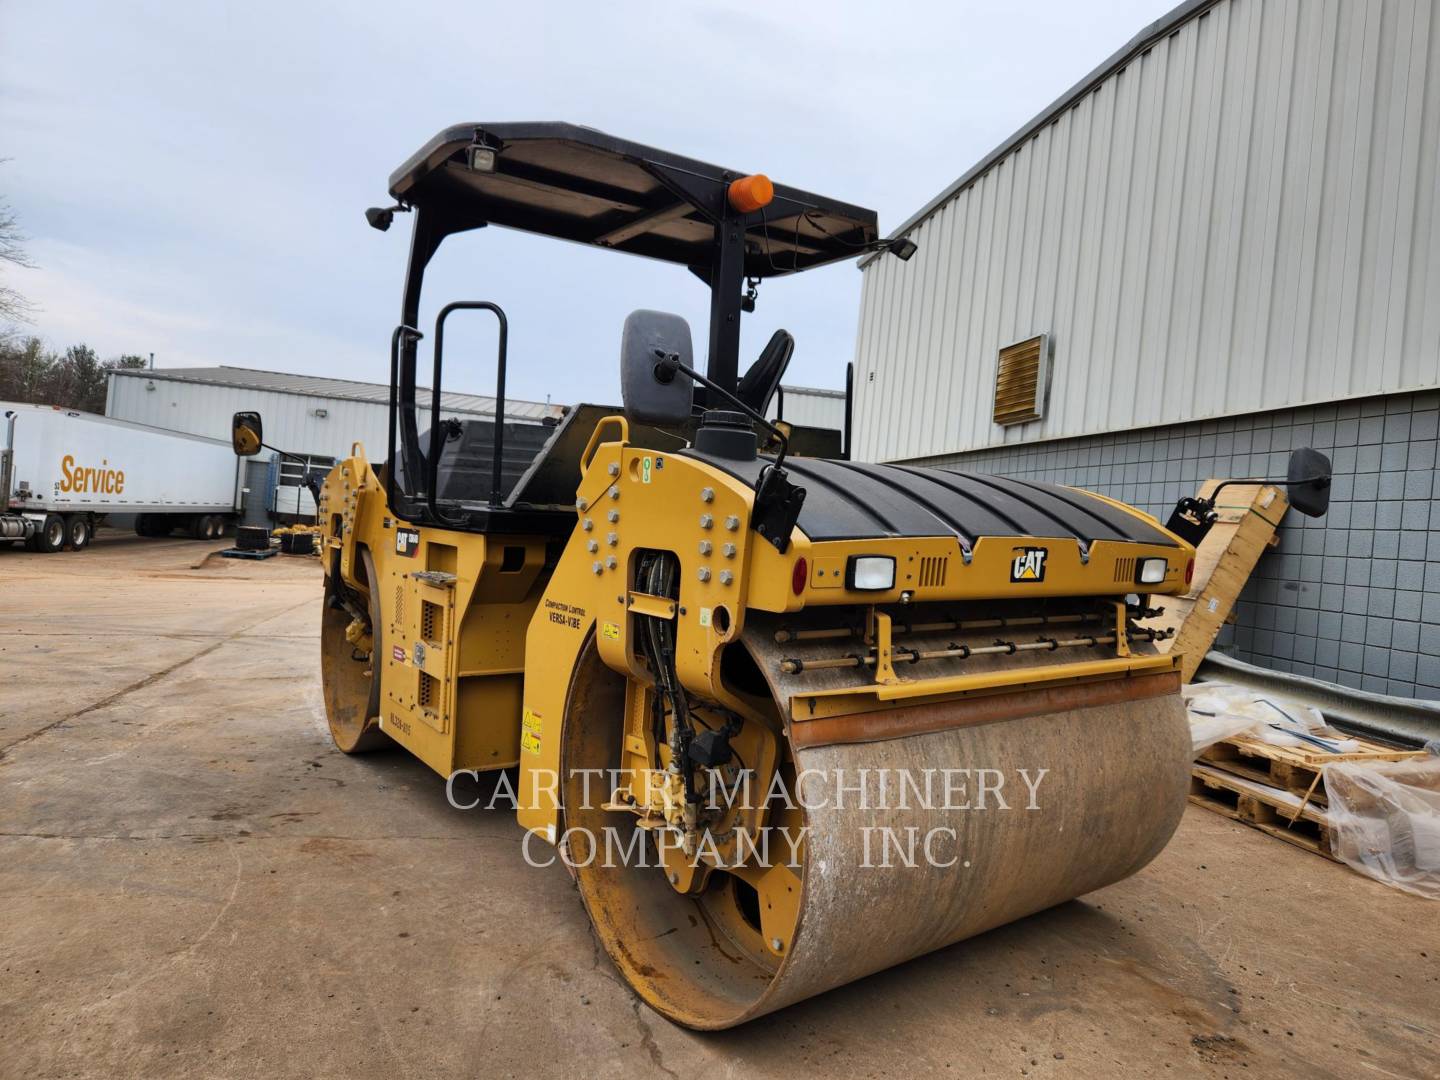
(194, 883)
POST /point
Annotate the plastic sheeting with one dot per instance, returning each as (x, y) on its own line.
(1385, 821)
(1221, 711)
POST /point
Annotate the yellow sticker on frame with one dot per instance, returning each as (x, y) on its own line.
(530, 732)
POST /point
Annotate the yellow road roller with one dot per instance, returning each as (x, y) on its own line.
(789, 718)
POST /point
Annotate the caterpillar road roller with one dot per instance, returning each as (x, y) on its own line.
(788, 720)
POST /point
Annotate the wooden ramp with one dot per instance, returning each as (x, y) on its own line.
(1248, 518)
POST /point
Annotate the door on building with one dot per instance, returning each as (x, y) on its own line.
(292, 501)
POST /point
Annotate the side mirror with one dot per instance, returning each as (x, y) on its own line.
(1307, 482)
(247, 433)
(652, 395)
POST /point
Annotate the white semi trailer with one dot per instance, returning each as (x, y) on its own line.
(63, 471)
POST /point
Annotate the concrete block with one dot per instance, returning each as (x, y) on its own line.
(1407, 605)
(1383, 573)
(1427, 670)
(1412, 545)
(1352, 657)
(1389, 514)
(1403, 665)
(1378, 631)
(1404, 636)
(1429, 639)
(1394, 456)
(1423, 426)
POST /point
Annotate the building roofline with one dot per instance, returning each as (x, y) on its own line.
(1145, 39)
(237, 381)
(813, 391)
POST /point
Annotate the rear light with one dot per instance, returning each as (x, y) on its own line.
(1189, 571)
(1152, 571)
(870, 573)
(799, 576)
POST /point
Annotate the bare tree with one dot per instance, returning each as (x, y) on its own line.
(14, 308)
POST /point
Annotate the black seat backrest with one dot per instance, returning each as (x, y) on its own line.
(758, 385)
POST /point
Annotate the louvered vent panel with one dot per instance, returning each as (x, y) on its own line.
(1020, 381)
(1125, 571)
(932, 571)
(399, 605)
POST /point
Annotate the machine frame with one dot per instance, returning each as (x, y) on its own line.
(684, 610)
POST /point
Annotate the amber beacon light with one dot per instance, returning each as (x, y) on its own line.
(751, 193)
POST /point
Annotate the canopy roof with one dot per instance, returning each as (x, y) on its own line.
(579, 184)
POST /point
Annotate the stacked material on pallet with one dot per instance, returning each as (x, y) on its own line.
(1385, 821)
(1272, 764)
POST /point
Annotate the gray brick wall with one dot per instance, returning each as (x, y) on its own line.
(1353, 597)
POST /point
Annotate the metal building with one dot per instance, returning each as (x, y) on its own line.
(320, 418)
(1222, 244)
(312, 417)
(807, 406)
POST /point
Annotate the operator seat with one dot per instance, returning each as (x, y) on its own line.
(758, 385)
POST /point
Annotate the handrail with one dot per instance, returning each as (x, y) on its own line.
(594, 442)
(390, 462)
(497, 498)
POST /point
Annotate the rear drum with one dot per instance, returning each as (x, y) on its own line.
(350, 679)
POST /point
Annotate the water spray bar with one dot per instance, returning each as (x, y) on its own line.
(830, 633)
(794, 666)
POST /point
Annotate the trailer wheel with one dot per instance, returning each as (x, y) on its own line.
(79, 531)
(51, 536)
(153, 525)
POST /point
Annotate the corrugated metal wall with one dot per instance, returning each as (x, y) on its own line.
(1242, 218)
(290, 420)
(809, 407)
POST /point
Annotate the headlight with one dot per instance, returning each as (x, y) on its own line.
(870, 573)
(1152, 571)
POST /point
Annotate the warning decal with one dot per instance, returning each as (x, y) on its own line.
(610, 630)
(530, 732)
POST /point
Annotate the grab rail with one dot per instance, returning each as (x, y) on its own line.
(496, 494)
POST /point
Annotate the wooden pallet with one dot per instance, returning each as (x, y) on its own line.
(238, 553)
(1298, 770)
(1281, 814)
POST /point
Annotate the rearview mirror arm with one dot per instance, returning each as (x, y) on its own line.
(1317, 479)
(667, 364)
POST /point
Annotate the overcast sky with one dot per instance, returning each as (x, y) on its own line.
(193, 175)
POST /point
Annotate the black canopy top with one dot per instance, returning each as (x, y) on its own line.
(579, 184)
